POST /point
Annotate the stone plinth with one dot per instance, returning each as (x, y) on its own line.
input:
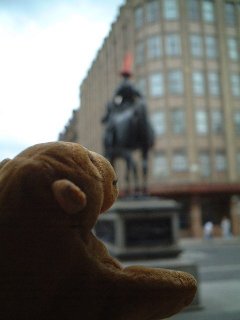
(141, 228)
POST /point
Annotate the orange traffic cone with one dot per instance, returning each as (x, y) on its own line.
(126, 70)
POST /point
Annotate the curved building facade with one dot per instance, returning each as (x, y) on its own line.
(187, 64)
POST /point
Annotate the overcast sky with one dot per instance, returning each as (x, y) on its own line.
(46, 48)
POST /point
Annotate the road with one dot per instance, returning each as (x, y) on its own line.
(218, 264)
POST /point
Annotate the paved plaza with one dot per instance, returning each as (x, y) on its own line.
(216, 263)
(219, 279)
(219, 301)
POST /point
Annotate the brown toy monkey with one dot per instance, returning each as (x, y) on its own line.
(51, 264)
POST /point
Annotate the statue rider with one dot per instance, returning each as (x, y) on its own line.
(127, 91)
(124, 96)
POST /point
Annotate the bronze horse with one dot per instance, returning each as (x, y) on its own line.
(128, 129)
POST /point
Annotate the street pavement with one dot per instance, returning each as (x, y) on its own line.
(218, 264)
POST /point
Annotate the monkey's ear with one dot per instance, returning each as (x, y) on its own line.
(3, 162)
(69, 196)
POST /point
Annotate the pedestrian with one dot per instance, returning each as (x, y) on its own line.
(208, 230)
(226, 228)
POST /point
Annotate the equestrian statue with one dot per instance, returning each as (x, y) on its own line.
(127, 128)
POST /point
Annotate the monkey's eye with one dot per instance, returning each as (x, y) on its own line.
(115, 182)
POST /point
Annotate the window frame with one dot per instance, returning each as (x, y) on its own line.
(179, 161)
(235, 84)
(196, 47)
(170, 10)
(193, 10)
(236, 121)
(154, 46)
(217, 121)
(220, 161)
(140, 53)
(138, 17)
(156, 85)
(160, 161)
(208, 11)
(214, 83)
(175, 82)
(178, 121)
(173, 45)
(204, 160)
(201, 122)
(152, 11)
(230, 14)
(198, 83)
(158, 121)
(233, 51)
(211, 47)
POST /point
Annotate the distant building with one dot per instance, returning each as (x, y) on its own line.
(187, 64)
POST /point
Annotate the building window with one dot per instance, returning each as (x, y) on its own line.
(193, 10)
(235, 85)
(196, 45)
(152, 11)
(179, 161)
(238, 161)
(198, 83)
(139, 54)
(142, 86)
(201, 122)
(172, 45)
(230, 14)
(158, 122)
(175, 82)
(170, 9)
(204, 164)
(160, 165)
(156, 85)
(154, 47)
(232, 48)
(220, 161)
(138, 17)
(211, 47)
(178, 121)
(217, 123)
(213, 83)
(236, 119)
(208, 11)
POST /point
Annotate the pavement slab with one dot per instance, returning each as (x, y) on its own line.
(219, 301)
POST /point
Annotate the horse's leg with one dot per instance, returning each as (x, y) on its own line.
(127, 172)
(144, 170)
(135, 175)
(132, 168)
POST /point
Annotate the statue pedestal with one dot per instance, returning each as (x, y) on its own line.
(140, 228)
